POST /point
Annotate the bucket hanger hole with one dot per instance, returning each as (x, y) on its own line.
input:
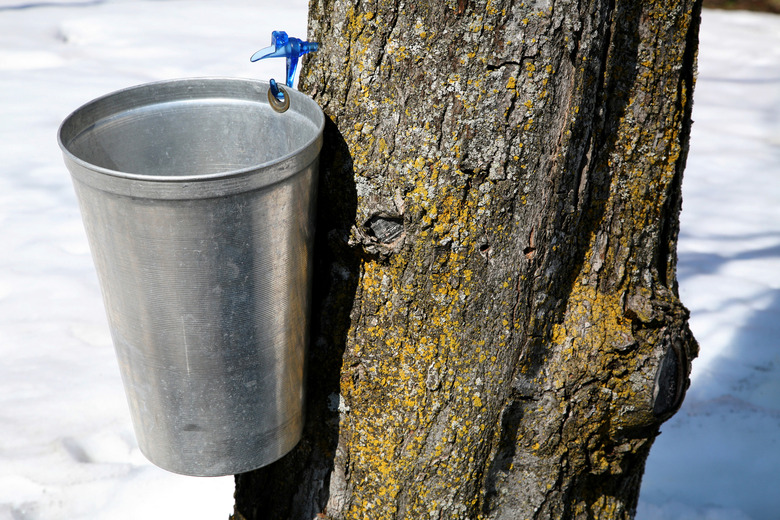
(280, 105)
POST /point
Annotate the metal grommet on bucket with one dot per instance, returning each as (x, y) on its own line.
(279, 105)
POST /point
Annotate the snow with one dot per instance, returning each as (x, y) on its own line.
(719, 457)
(67, 450)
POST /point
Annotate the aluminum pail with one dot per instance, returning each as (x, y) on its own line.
(198, 201)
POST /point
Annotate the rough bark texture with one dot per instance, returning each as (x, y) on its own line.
(497, 332)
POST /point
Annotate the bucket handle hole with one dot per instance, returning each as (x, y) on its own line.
(278, 98)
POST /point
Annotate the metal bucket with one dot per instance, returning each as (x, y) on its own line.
(198, 201)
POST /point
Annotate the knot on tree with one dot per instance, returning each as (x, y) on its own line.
(671, 379)
(381, 235)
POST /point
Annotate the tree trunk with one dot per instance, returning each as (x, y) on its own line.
(497, 331)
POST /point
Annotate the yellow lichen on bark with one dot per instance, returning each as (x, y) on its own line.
(499, 358)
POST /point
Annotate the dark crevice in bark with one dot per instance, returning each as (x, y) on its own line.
(597, 122)
(667, 255)
(592, 142)
(511, 416)
(385, 59)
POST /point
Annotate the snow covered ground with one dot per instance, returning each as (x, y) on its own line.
(67, 450)
(719, 457)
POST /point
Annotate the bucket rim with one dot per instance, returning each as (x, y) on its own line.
(227, 174)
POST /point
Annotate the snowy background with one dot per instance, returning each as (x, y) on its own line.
(67, 450)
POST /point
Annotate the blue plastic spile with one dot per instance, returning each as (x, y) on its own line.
(290, 48)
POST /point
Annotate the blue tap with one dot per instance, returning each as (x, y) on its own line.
(290, 48)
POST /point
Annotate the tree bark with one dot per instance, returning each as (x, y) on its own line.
(497, 332)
